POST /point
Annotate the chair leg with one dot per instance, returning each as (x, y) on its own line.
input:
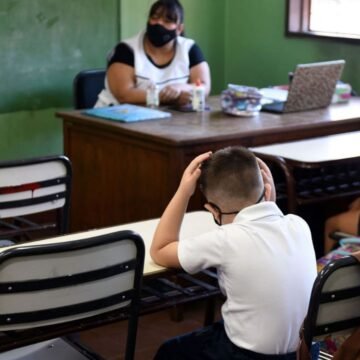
(177, 313)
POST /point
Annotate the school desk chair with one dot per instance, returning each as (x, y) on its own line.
(34, 197)
(87, 85)
(59, 286)
(333, 317)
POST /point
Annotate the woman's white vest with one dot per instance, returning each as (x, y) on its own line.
(146, 72)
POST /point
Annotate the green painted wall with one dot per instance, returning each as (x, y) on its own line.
(29, 134)
(46, 42)
(204, 21)
(258, 52)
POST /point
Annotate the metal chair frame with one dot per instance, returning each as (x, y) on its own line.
(68, 284)
(33, 186)
(87, 85)
(334, 304)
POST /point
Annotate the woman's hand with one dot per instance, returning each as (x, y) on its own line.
(169, 94)
(179, 94)
(184, 98)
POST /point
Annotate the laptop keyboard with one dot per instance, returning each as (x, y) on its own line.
(276, 106)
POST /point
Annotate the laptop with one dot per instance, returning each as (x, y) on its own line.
(311, 87)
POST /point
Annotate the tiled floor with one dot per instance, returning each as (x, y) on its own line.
(153, 329)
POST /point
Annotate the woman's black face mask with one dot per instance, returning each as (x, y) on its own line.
(158, 35)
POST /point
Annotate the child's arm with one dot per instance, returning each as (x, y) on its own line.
(164, 247)
(355, 205)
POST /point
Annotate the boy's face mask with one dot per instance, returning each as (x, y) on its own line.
(158, 35)
(219, 214)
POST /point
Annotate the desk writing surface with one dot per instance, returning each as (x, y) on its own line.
(194, 223)
(204, 127)
(321, 149)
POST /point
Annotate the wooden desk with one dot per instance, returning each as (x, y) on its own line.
(163, 288)
(318, 169)
(315, 178)
(128, 172)
(316, 151)
(194, 223)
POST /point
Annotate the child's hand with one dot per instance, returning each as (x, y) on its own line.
(355, 205)
(191, 174)
(267, 178)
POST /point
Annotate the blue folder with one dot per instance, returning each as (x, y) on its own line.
(127, 113)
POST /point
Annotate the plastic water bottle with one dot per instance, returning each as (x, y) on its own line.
(198, 98)
(152, 95)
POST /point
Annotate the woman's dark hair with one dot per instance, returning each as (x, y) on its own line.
(171, 9)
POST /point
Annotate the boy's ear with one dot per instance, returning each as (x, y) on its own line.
(209, 208)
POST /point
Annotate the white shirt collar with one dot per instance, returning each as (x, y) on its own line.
(258, 211)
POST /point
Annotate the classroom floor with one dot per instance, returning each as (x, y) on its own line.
(153, 330)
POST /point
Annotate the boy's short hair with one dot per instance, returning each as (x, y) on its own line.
(233, 173)
(171, 9)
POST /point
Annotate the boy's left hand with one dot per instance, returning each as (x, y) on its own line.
(267, 178)
(191, 174)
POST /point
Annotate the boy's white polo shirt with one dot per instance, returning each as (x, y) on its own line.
(266, 266)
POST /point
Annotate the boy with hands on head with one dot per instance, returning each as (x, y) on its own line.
(265, 260)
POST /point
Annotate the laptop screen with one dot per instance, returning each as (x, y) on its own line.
(313, 85)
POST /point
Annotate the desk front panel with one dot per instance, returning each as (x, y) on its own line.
(117, 179)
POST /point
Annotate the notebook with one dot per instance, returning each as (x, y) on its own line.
(127, 113)
(311, 87)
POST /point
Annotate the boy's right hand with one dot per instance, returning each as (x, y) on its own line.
(191, 175)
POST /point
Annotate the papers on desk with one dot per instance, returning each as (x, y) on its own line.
(273, 94)
(127, 113)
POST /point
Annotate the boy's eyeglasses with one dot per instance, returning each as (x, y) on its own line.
(220, 213)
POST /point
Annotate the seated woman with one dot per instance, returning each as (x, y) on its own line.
(159, 55)
(347, 222)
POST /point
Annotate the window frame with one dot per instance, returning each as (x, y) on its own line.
(298, 19)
